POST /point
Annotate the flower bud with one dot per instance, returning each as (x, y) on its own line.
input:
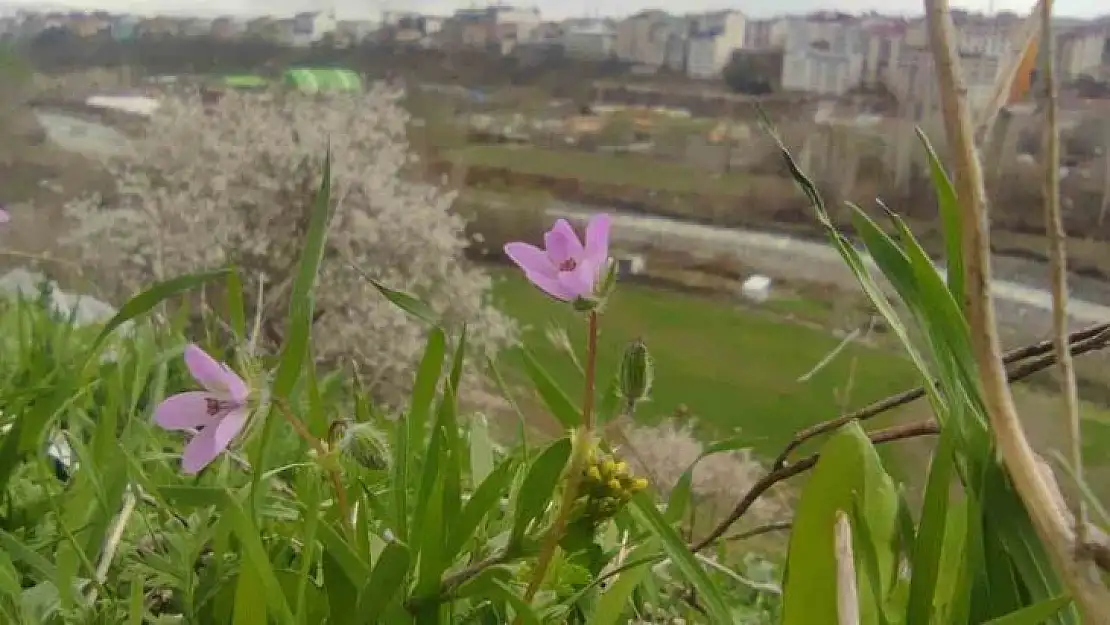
(636, 373)
(638, 485)
(615, 485)
(366, 446)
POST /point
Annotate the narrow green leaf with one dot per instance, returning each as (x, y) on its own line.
(384, 583)
(538, 487)
(299, 326)
(523, 611)
(412, 429)
(929, 544)
(557, 401)
(254, 556)
(342, 592)
(1035, 614)
(615, 601)
(406, 302)
(146, 301)
(482, 501)
(949, 219)
(709, 595)
(251, 606)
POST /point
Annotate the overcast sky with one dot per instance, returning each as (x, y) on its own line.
(554, 9)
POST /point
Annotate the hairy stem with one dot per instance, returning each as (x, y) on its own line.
(322, 452)
(576, 466)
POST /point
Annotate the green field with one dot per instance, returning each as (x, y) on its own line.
(735, 369)
(627, 169)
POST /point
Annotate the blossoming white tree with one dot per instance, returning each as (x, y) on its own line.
(236, 184)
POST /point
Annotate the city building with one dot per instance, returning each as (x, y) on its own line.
(712, 40)
(589, 39)
(313, 27)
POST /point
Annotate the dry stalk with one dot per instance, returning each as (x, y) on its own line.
(1057, 247)
(1092, 598)
(847, 595)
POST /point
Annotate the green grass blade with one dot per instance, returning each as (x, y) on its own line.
(949, 219)
(1035, 614)
(146, 301)
(556, 400)
(614, 602)
(928, 546)
(538, 487)
(385, 582)
(254, 557)
(711, 598)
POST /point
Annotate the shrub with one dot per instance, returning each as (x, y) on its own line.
(234, 185)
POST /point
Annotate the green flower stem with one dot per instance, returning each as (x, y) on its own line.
(575, 468)
(323, 452)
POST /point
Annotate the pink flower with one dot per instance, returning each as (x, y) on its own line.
(567, 269)
(215, 415)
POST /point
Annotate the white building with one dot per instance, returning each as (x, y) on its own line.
(821, 71)
(310, 28)
(1085, 51)
(713, 38)
(645, 37)
(915, 81)
(594, 39)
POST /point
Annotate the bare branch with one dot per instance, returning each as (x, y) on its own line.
(910, 430)
(1087, 340)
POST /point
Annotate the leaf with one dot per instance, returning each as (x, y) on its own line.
(384, 583)
(406, 302)
(251, 606)
(557, 401)
(614, 602)
(1035, 614)
(538, 487)
(524, 612)
(849, 467)
(928, 547)
(146, 301)
(949, 219)
(413, 428)
(299, 326)
(254, 557)
(484, 499)
(343, 592)
(710, 596)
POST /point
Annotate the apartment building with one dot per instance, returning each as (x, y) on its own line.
(712, 39)
(1085, 51)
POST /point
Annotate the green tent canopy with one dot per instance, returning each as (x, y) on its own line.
(245, 82)
(323, 80)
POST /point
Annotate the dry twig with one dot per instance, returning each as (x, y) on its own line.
(1087, 340)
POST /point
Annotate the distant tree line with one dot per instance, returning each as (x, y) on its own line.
(59, 51)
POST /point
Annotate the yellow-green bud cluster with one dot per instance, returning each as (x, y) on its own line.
(607, 484)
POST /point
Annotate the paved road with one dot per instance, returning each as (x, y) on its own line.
(801, 259)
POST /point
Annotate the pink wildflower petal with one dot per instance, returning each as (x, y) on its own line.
(562, 243)
(184, 411)
(552, 285)
(215, 376)
(212, 441)
(530, 258)
(581, 281)
(597, 238)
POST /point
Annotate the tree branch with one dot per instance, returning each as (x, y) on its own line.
(1089, 339)
(899, 432)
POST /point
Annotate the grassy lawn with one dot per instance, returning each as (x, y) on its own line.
(631, 170)
(735, 369)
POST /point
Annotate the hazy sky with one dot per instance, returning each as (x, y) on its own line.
(551, 8)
